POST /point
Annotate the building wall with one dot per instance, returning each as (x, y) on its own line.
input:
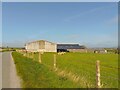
(50, 47)
(90, 50)
(41, 46)
(34, 46)
(77, 50)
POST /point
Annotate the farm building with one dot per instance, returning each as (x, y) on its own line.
(97, 50)
(46, 46)
(41, 46)
(71, 48)
(100, 51)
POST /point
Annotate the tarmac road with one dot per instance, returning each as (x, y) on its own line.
(9, 74)
(0, 70)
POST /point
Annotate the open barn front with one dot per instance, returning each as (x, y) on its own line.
(62, 50)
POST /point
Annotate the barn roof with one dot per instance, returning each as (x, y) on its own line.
(70, 46)
(41, 41)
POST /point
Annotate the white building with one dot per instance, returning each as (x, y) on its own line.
(41, 46)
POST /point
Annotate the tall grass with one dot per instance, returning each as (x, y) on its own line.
(36, 75)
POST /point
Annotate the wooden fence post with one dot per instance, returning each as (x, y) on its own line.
(55, 61)
(33, 55)
(98, 74)
(40, 57)
(28, 54)
(25, 53)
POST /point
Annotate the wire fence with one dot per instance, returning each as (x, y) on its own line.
(100, 75)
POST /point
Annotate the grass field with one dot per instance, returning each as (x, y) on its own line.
(36, 75)
(79, 68)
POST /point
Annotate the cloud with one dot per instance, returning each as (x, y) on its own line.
(113, 20)
(85, 13)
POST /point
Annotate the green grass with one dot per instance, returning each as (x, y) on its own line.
(36, 75)
(83, 65)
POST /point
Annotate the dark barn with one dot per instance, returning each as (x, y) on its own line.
(70, 48)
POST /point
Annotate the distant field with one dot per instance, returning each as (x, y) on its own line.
(80, 68)
(6, 50)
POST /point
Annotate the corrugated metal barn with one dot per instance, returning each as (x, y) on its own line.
(71, 48)
(41, 46)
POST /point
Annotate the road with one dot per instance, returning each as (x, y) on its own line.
(9, 74)
(0, 70)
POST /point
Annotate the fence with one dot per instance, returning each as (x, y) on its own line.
(100, 76)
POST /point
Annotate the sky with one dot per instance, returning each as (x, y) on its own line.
(90, 24)
(60, 0)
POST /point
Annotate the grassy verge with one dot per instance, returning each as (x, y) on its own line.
(36, 75)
